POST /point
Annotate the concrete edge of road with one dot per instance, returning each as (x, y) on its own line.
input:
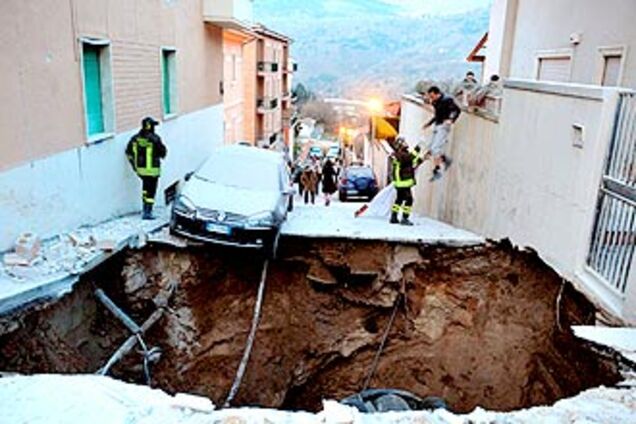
(441, 242)
(54, 286)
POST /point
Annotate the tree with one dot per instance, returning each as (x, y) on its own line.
(301, 94)
(323, 113)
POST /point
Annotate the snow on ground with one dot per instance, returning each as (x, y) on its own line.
(63, 258)
(55, 399)
(338, 221)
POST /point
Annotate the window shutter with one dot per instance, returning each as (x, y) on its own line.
(167, 105)
(93, 90)
(611, 70)
(554, 69)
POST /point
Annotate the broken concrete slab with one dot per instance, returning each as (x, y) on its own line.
(62, 258)
(319, 273)
(621, 339)
(338, 222)
(14, 259)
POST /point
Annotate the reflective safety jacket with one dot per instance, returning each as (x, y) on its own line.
(145, 151)
(404, 164)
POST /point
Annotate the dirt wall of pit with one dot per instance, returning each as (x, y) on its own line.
(482, 326)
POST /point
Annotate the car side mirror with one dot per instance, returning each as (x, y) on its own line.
(188, 175)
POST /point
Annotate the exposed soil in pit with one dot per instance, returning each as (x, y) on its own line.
(478, 326)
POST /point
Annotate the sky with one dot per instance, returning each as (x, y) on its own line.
(437, 7)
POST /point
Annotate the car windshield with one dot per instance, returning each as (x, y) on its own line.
(359, 173)
(251, 173)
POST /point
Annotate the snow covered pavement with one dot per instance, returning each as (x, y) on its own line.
(52, 399)
(338, 221)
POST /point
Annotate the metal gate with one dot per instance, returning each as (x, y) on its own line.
(614, 236)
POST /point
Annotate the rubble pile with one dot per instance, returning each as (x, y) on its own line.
(72, 252)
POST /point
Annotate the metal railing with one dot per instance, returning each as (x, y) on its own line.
(265, 104)
(614, 236)
(263, 66)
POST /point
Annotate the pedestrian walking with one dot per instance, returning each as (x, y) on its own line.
(329, 176)
(298, 172)
(404, 163)
(145, 150)
(446, 113)
(309, 180)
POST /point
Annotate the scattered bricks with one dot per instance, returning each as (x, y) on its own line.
(27, 246)
(83, 241)
(107, 245)
(13, 259)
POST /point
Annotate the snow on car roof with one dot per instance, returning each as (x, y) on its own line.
(243, 166)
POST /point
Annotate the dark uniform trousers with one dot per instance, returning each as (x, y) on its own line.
(149, 189)
(404, 200)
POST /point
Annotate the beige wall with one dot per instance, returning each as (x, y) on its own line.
(267, 85)
(522, 178)
(234, 92)
(250, 58)
(546, 25)
(41, 96)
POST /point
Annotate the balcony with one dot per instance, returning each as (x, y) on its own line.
(266, 105)
(266, 67)
(229, 14)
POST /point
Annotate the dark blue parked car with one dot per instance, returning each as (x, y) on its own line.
(357, 182)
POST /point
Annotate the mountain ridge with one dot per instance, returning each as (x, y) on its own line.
(380, 51)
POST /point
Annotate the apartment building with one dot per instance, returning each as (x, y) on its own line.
(77, 77)
(583, 41)
(267, 78)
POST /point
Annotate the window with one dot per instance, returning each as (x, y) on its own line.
(611, 65)
(96, 79)
(611, 70)
(169, 83)
(234, 68)
(554, 69)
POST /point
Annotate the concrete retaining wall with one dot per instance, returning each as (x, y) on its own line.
(522, 177)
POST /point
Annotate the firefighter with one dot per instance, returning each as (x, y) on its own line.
(145, 151)
(404, 164)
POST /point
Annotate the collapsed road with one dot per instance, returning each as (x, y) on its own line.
(483, 325)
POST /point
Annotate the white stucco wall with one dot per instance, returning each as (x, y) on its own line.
(93, 183)
(523, 179)
(546, 25)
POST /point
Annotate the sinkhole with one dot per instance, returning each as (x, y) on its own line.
(481, 326)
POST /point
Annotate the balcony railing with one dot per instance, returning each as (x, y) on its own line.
(264, 67)
(264, 105)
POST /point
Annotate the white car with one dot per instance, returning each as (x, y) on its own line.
(240, 196)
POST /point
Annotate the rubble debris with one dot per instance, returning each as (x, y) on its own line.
(27, 246)
(13, 259)
(107, 245)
